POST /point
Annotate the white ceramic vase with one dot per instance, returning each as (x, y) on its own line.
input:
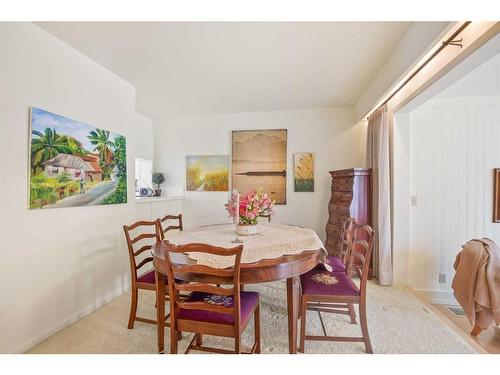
(247, 229)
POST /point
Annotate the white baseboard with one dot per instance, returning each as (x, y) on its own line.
(439, 297)
(46, 333)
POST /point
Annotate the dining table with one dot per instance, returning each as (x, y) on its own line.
(276, 252)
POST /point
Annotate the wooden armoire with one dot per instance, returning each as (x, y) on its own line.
(351, 196)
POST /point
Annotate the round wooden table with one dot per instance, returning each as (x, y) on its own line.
(288, 267)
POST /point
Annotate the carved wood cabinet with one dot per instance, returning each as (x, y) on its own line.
(351, 196)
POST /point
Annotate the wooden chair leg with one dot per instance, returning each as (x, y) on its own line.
(237, 348)
(173, 340)
(303, 314)
(199, 339)
(133, 308)
(364, 327)
(256, 320)
(352, 312)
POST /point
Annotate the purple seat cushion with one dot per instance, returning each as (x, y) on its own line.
(334, 262)
(247, 302)
(148, 277)
(328, 283)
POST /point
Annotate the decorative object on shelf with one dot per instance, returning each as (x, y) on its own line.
(158, 179)
(74, 164)
(259, 162)
(246, 209)
(207, 173)
(145, 192)
(496, 196)
(303, 172)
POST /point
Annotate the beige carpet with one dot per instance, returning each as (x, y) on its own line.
(397, 321)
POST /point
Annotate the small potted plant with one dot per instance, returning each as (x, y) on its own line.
(158, 179)
(247, 208)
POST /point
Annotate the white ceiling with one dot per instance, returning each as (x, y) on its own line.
(194, 68)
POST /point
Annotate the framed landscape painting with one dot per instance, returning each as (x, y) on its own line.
(207, 173)
(303, 172)
(259, 162)
(74, 164)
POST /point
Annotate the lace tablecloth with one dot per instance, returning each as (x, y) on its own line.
(272, 241)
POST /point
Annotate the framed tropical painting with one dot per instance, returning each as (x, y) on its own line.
(74, 164)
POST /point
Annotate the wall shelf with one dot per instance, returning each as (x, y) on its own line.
(157, 199)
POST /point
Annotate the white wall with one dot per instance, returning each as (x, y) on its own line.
(454, 148)
(327, 132)
(58, 264)
(400, 198)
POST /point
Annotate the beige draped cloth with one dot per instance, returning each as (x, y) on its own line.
(272, 241)
(476, 284)
(380, 163)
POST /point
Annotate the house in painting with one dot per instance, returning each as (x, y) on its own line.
(86, 167)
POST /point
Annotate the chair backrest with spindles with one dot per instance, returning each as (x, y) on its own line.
(170, 227)
(361, 251)
(345, 239)
(230, 275)
(136, 243)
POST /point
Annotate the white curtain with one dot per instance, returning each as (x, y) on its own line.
(379, 160)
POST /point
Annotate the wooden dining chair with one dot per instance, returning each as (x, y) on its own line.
(324, 291)
(146, 230)
(210, 310)
(165, 220)
(339, 262)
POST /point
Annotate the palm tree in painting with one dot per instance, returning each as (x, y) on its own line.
(48, 145)
(75, 145)
(102, 144)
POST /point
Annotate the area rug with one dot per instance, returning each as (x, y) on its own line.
(398, 323)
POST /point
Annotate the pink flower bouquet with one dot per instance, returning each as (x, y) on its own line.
(251, 206)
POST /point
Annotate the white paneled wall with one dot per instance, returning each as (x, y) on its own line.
(454, 146)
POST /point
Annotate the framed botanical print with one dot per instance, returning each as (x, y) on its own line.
(303, 171)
